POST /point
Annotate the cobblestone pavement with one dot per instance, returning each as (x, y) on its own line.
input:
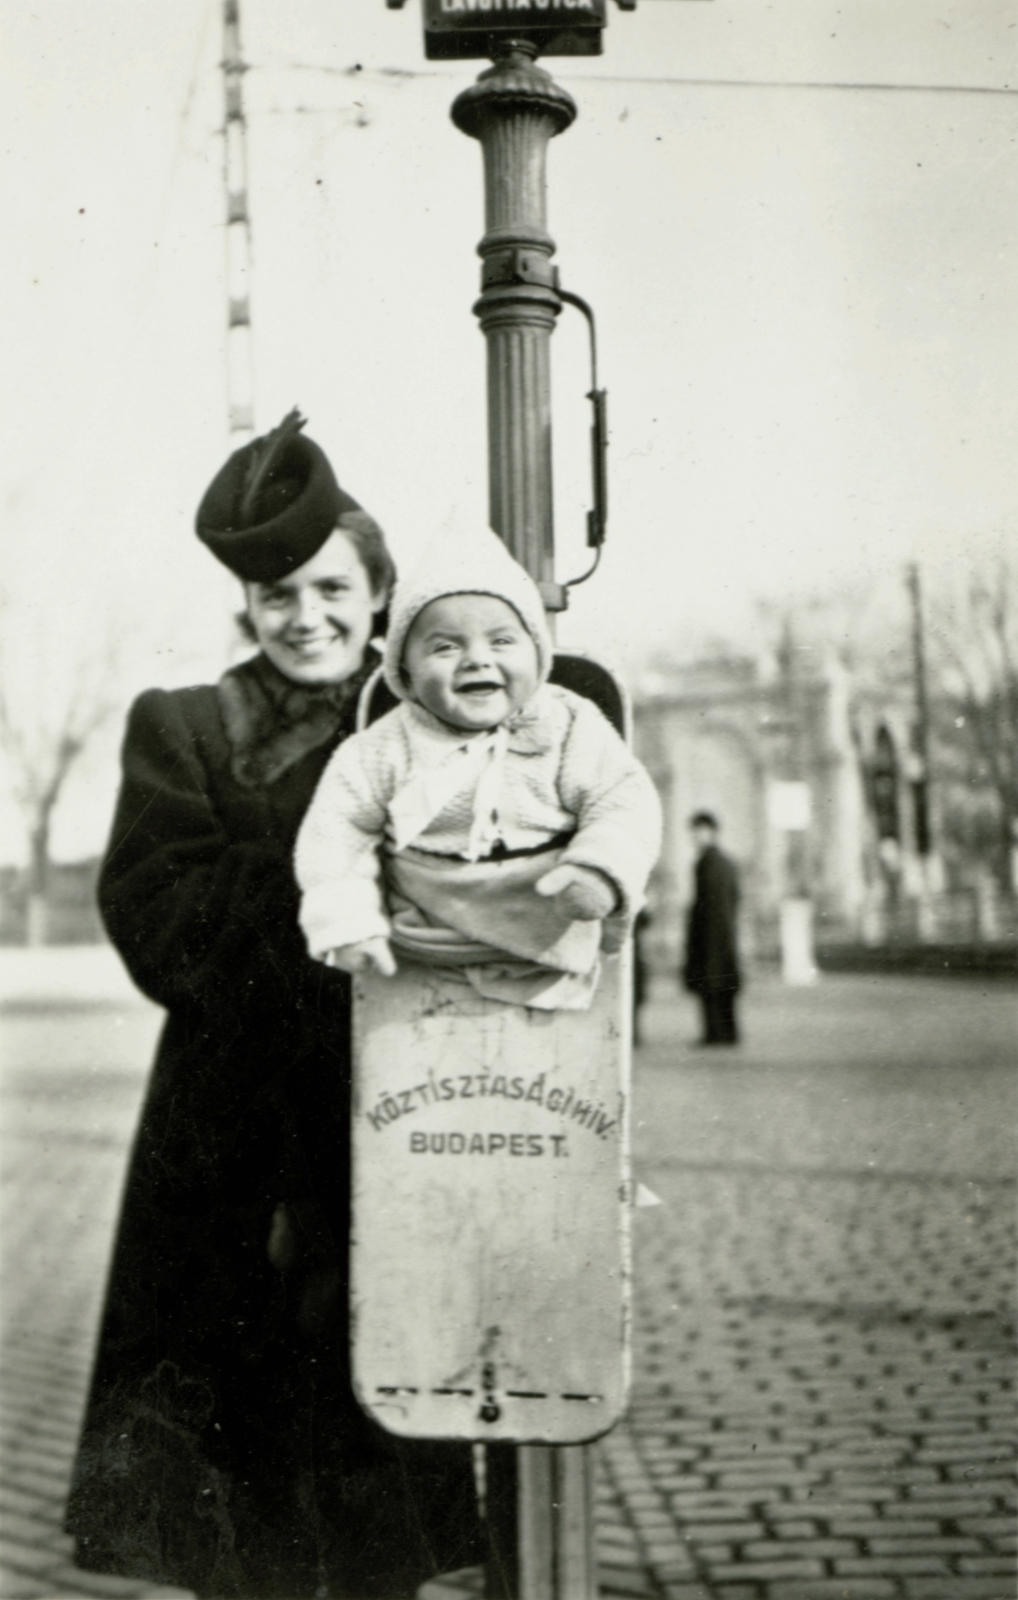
(72, 1081)
(823, 1397)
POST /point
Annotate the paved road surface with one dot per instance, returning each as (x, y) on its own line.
(824, 1395)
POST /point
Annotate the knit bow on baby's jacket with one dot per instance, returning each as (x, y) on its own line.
(464, 766)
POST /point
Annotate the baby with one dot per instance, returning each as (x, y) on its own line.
(513, 829)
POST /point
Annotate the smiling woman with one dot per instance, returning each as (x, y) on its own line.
(315, 623)
(222, 1449)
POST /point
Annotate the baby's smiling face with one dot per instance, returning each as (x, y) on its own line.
(470, 661)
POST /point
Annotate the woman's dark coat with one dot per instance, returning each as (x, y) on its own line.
(712, 958)
(222, 1449)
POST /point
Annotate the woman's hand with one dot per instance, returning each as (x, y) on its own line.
(583, 893)
(364, 955)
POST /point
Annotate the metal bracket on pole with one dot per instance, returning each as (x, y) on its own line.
(597, 517)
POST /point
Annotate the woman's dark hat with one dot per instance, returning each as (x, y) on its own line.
(273, 505)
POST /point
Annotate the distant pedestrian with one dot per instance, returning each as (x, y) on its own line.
(711, 969)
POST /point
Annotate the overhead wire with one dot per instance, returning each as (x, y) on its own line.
(846, 86)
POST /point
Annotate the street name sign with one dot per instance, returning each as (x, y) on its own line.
(465, 28)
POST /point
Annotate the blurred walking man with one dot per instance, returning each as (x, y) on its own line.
(712, 960)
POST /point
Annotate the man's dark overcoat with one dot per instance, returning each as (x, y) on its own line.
(712, 958)
(222, 1448)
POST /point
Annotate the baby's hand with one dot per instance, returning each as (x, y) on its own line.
(583, 893)
(364, 955)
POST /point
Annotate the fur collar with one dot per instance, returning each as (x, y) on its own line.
(271, 722)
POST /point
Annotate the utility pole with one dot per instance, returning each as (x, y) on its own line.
(239, 365)
(920, 761)
(539, 1497)
(921, 741)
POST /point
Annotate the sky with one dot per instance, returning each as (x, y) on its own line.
(795, 222)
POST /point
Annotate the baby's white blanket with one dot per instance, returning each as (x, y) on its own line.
(485, 921)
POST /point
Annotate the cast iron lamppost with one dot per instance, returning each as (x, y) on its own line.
(539, 1497)
(513, 110)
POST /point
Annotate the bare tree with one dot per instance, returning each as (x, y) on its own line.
(44, 735)
(976, 713)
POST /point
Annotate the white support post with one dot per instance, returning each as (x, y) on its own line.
(239, 363)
